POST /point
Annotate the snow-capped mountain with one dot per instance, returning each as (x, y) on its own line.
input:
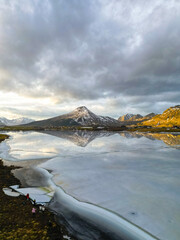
(81, 116)
(17, 121)
(85, 117)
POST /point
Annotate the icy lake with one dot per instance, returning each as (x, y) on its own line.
(134, 175)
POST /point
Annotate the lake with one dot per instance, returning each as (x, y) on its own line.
(135, 176)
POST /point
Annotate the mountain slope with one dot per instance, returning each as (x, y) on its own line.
(81, 116)
(17, 121)
(147, 117)
(1, 123)
(135, 117)
(169, 118)
(150, 115)
(131, 119)
(125, 117)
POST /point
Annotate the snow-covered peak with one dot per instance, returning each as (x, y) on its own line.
(82, 109)
(83, 116)
(82, 112)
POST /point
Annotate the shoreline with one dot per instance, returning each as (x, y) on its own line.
(16, 219)
(127, 128)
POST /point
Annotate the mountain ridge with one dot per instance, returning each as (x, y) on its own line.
(135, 117)
(15, 121)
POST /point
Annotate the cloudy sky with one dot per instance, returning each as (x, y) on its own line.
(113, 56)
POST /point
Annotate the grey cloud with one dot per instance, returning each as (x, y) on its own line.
(91, 49)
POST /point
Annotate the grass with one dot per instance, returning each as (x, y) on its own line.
(3, 137)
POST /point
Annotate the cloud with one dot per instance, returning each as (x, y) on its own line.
(94, 50)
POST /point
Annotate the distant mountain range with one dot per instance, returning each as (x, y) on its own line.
(81, 116)
(13, 122)
(169, 118)
(136, 117)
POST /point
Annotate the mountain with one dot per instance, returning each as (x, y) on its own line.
(81, 116)
(146, 117)
(17, 121)
(132, 119)
(125, 117)
(1, 123)
(169, 118)
(150, 115)
(135, 117)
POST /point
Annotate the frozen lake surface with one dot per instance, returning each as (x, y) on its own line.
(132, 175)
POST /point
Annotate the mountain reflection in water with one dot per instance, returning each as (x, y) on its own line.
(80, 138)
(83, 138)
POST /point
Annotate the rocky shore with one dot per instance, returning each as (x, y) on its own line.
(16, 219)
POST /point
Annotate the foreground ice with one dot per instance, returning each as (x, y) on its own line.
(11, 193)
(137, 178)
(84, 220)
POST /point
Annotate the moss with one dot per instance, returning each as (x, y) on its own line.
(3, 137)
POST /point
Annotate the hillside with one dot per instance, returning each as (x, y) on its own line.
(135, 117)
(125, 117)
(169, 118)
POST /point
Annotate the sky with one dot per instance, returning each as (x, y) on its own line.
(114, 57)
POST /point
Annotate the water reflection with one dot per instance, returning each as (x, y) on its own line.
(171, 139)
(83, 138)
(132, 174)
(79, 138)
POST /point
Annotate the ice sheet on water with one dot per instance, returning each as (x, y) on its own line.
(134, 177)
